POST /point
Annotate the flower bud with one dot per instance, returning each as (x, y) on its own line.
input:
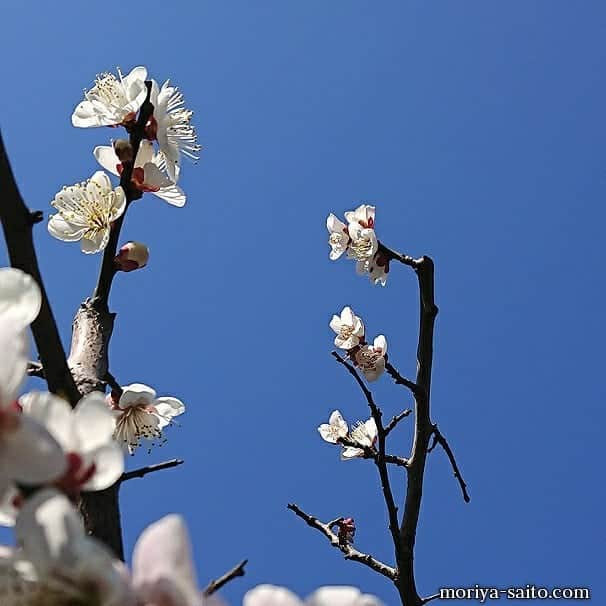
(132, 255)
(124, 150)
(347, 530)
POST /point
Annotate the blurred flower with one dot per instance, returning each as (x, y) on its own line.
(20, 298)
(349, 329)
(148, 176)
(131, 256)
(364, 434)
(67, 566)
(86, 212)
(85, 433)
(163, 570)
(371, 358)
(112, 101)
(338, 238)
(335, 428)
(271, 595)
(29, 455)
(140, 415)
(377, 268)
(170, 126)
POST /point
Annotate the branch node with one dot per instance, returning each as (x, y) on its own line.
(236, 571)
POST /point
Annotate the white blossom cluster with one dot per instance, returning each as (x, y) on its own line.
(358, 239)
(87, 210)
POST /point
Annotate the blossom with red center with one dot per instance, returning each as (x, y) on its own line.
(147, 175)
(85, 433)
(346, 530)
(370, 359)
(365, 435)
(140, 415)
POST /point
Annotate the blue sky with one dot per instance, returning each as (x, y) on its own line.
(478, 131)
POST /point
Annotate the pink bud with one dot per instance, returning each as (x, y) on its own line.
(132, 255)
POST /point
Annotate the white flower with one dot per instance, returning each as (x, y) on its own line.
(349, 329)
(86, 212)
(85, 433)
(131, 256)
(271, 595)
(20, 298)
(364, 215)
(335, 428)
(112, 101)
(69, 566)
(170, 126)
(140, 415)
(364, 243)
(371, 358)
(163, 570)
(338, 238)
(29, 455)
(376, 268)
(364, 434)
(147, 175)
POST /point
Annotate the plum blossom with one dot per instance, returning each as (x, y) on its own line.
(86, 212)
(335, 429)
(64, 564)
(349, 329)
(163, 570)
(131, 256)
(139, 415)
(370, 359)
(95, 460)
(338, 238)
(148, 173)
(376, 268)
(364, 434)
(20, 298)
(112, 101)
(171, 126)
(271, 595)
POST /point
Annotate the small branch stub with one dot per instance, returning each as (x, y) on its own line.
(236, 571)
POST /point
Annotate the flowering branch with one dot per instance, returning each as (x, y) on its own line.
(369, 452)
(236, 571)
(399, 379)
(350, 552)
(17, 222)
(380, 459)
(441, 440)
(143, 471)
(108, 267)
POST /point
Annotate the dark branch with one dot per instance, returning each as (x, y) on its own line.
(441, 440)
(395, 420)
(393, 255)
(370, 452)
(111, 381)
(17, 223)
(143, 471)
(436, 596)
(399, 379)
(236, 571)
(349, 552)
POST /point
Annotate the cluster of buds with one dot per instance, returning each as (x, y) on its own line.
(349, 329)
(357, 238)
(346, 530)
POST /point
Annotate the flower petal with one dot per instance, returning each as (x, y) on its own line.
(167, 408)
(109, 465)
(61, 229)
(106, 156)
(271, 595)
(136, 393)
(96, 243)
(340, 596)
(93, 422)
(54, 413)
(20, 297)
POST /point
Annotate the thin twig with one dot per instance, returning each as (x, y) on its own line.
(236, 571)
(370, 452)
(395, 420)
(143, 471)
(35, 369)
(350, 552)
(396, 256)
(111, 381)
(435, 596)
(441, 440)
